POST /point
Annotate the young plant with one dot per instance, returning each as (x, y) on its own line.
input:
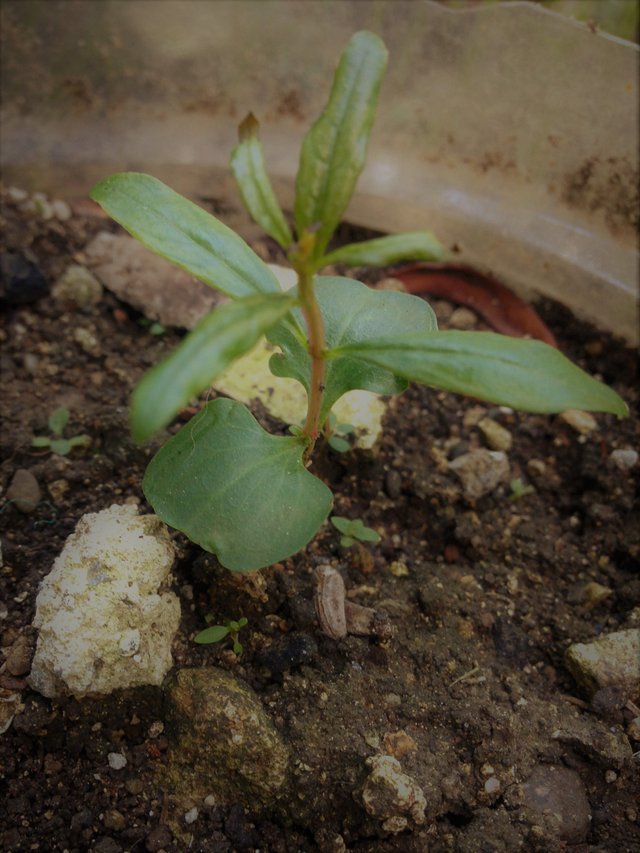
(353, 530)
(56, 443)
(217, 633)
(231, 487)
(337, 434)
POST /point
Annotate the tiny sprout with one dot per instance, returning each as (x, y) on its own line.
(337, 433)
(353, 530)
(217, 633)
(519, 489)
(56, 443)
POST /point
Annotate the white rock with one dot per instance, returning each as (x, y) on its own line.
(624, 458)
(105, 621)
(117, 760)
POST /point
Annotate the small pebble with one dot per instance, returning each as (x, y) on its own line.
(492, 785)
(560, 792)
(624, 458)
(77, 286)
(399, 569)
(24, 491)
(480, 471)
(497, 437)
(19, 658)
(581, 422)
(463, 318)
(61, 209)
(116, 760)
(191, 816)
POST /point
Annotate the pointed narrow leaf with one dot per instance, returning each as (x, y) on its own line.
(524, 374)
(236, 490)
(334, 149)
(414, 245)
(247, 165)
(223, 335)
(352, 313)
(180, 231)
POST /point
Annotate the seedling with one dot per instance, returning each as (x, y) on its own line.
(353, 531)
(56, 443)
(519, 489)
(337, 434)
(217, 633)
(229, 485)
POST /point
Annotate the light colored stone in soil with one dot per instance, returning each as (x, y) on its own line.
(117, 761)
(480, 471)
(580, 421)
(633, 729)
(558, 796)
(18, 660)
(77, 286)
(463, 318)
(215, 720)
(157, 288)
(191, 816)
(391, 796)
(624, 458)
(497, 436)
(24, 491)
(609, 661)
(105, 620)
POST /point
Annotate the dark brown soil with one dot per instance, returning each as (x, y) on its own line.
(490, 596)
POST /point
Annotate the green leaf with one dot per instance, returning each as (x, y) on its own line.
(247, 165)
(340, 445)
(180, 231)
(58, 420)
(235, 490)
(352, 313)
(80, 441)
(354, 529)
(40, 441)
(524, 374)
(243, 621)
(212, 635)
(61, 446)
(334, 150)
(219, 338)
(414, 245)
(347, 541)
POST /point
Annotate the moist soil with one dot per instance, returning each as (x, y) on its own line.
(484, 598)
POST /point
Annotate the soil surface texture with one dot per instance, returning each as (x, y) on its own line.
(463, 731)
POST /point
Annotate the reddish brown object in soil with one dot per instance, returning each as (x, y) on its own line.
(500, 307)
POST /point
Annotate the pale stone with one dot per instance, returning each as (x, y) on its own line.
(390, 795)
(610, 661)
(497, 436)
(580, 421)
(105, 618)
(480, 471)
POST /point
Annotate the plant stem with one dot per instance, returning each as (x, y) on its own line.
(317, 345)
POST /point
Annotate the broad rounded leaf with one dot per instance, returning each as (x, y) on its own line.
(223, 335)
(334, 150)
(180, 231)
(58, 420)
(352, 313)
(414, 245)
(236, 490)
(524, 374)
(247, 165)
(212, 635)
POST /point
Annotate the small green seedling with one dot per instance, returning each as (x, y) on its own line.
(519, 489)
(353, 531)
(56, 443)
(231, 487)
(216, 633)
(337, 434)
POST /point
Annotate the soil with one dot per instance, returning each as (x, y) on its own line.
(484, 597)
